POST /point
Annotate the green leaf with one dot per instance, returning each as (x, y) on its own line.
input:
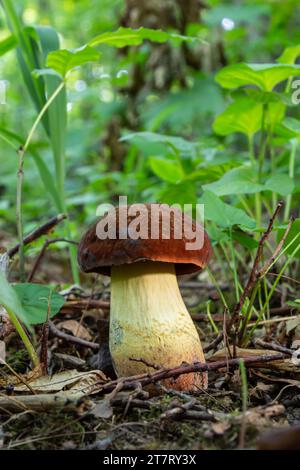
(34, 299)
(292, 125)
(8, 44)
(244, 239)
(280, 184)
(240, 180)
(243, 115)
(10, 300)
(224, 215)
(177, 143)
(167, 170)
(48, 181)
(264, 76)
(134, 37)
(289, 55)
(64, 60)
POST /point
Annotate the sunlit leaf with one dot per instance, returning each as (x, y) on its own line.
(264, 76)
(10, 300)
(166, 170)
(280, 184)
(289, 55)
(63, 60)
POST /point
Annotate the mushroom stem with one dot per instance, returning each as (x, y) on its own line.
(149, 321)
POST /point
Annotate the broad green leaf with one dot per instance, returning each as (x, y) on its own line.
(289, 55)
(10, 300)
(294, 234)
(292, 125)
(8, 44)
(63, 60)
(275, 114)
(14, 140)
(243, 115)
(34, 299)
(280, 184)
(264, 76)
(167, 170)
(240, 180)
(134, 37)
(224, 215)
(248, 14)
(180, 193)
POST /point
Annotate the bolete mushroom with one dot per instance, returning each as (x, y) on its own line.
(148, 318)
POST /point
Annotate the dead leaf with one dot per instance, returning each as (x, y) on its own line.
(20, 378)
(292, 324)
(282, 364)
(71, 380)
(2, 350)
(75, 328)
(220, 427)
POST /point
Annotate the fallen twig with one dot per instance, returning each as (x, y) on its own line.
(146, 379)
(72, 339)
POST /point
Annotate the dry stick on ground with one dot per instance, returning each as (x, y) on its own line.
(42, 253)
(146, 379)
(37, 233)
(72, 339)
(44, 339)
(274, 347)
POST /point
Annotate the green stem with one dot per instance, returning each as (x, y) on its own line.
(30, 349)
(19, 217)
(257, 195)
(294, 145)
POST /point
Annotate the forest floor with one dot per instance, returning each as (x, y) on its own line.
(72, 408)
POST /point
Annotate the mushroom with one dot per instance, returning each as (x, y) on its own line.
(149, 322)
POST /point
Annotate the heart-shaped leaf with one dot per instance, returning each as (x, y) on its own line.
(34, 299)
(243, 115)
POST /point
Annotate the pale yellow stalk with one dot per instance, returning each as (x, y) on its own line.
(149, 321)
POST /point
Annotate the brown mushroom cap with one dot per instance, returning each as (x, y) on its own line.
(96, 255)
